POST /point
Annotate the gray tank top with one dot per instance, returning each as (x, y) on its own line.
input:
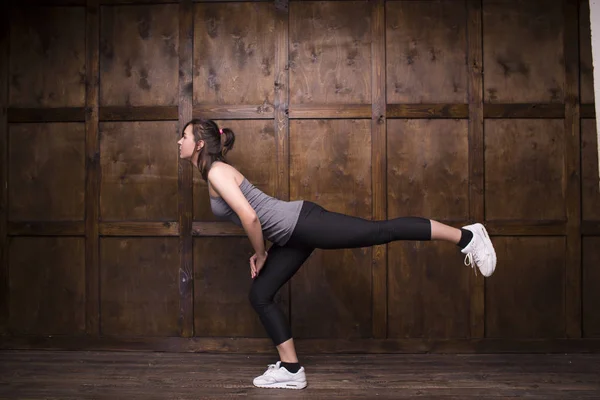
(278, 218)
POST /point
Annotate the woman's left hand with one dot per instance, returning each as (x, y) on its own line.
(256, 264)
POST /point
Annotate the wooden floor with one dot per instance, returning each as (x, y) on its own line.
(136, 375)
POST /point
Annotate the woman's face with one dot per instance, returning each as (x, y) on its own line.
(187, 143)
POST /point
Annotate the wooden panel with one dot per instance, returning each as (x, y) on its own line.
(526, 296)
(590, 199)
(426, 154)
(245, 346)
(330, 52)
(591, 282)
(428, 111)
(531, 71)
(379, 166)
(54, 228)
(138, 55)
(47, 60)
(4, 43)
(127, 113)
(524, 111)
(47, 286)
(524, 163)
(92, 170)
(234, 47)
(330, 164)
(587, 111)
(421, 303)
(46, 171)
(139, 228)
(66, 114)
(252, 154)
(426, 52)
(316, 111)
(138, 172)
(139, 292)
(184, 170)
(221, 286)
(585, 54)
(212, 111)
(572, 170)
(476, 150)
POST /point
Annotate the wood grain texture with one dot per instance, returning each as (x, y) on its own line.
(572, 169)
(190, 376)
(234, 48)
(222, 282)
(55, 114)
(476, 151)
(420, 299)
(48, 228)
(524, 163)
(139, 55)
(590, 195)
(526, 298)
(227, 111)
(139, 228)
(4, 43)
(47, 180)
(185, 207)
(330, 52)
(47, 286)
(523, 110)
(246, 346)
(378, 165)
(139, 292)
(330, 164)
(127, 113)
(532, 71)
(138, 172)
(92, 170)
(589, 292)
(426, 154)
(252, 154)
(281, 120)
(426, 52)
(330, 111)
(586, 71)
(428, 111)
(47, 59)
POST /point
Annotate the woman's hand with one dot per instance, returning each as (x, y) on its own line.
(256, 264)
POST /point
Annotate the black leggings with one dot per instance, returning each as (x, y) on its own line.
(318, 228)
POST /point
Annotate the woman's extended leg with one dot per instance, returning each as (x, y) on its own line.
(323, 229)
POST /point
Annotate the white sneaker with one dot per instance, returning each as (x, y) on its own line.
(481, 250)
(277, 376)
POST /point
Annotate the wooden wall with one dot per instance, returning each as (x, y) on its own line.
(457, 110)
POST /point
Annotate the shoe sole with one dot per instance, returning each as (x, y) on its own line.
(284, 385)
(488, 242)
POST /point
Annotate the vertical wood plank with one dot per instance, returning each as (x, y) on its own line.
(378, 163)
(92, 168)
(186, 279)
(476, 161)
(572, 174)
(4, 21)
(281, 120)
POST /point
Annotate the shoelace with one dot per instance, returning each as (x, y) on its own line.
(469, 262)
(271, 368)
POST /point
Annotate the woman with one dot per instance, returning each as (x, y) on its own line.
(296, 228)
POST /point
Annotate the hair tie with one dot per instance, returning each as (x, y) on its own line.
(221, 131)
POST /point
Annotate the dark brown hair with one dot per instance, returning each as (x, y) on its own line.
(216, 144)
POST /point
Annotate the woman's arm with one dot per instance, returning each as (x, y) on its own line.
(225, 185)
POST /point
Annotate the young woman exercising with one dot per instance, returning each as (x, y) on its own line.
(296, 228)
